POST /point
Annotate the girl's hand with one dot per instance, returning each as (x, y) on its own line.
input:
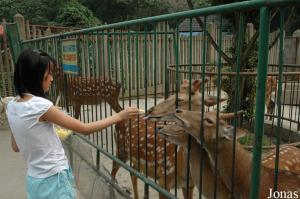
(128, 112)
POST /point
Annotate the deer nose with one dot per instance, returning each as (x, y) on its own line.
(228, 128)
(178, 111)
(150, 110)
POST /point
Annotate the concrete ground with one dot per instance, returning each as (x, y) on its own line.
(12, 168)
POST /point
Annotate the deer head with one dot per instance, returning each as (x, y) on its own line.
(169, 105)
(189, 122)
(177, 133)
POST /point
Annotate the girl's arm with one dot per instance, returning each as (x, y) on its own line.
(58, 117)
(14, 145)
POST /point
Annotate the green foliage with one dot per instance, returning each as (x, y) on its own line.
(37, 11)
(247, 86)
(111, 11)
(202, 3)
(48, 12)
(249, 140)
(7, 9)
(75, 14)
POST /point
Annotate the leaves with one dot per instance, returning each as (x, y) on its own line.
(111, 11)
(75, 14)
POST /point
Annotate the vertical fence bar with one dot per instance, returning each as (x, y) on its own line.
(155, 96)
(190, 100)
(279, 91)
(241, 35)
(260, 99)
(103, 73)
(202, 103)
(219, 68)
(165, 36)
(137, 92)
(146, 187)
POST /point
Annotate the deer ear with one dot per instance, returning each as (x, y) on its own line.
(212, 100)
(184, 85)
(185, 82)
(226, 116)
(196, 85)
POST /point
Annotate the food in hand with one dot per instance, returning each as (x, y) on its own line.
(62, 133)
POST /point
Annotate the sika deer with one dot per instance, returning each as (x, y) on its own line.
(88, 90)
(168, 106)
(176, 134)
(132, 140)
(271, 86)
(289, 159)
(288, 182)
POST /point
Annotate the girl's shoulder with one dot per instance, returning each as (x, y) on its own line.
(41, 100)
(35, 105)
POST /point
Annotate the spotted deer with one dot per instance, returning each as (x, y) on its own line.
(175, 134)
(169, 106)
(271, 88)
(190, 121)
(132, 140)
(88, 90)
(289, 159)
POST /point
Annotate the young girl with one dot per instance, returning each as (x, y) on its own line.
(31, 118)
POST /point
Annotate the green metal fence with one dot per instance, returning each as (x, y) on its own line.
(140, 61)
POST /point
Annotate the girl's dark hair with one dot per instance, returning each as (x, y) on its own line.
(29, 72)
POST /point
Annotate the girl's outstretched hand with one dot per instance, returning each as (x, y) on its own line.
(128, 112)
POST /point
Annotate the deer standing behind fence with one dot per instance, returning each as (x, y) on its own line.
(88, 90)
(132, 139)
(271, 89)
(190, 121)
(168, 106)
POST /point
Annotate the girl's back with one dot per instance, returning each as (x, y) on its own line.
(36, 139)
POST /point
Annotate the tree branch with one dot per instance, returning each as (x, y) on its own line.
(252, 42)
(286, 22)
(209, 37)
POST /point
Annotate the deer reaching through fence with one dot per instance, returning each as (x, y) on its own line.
(132, 141)
(190, 121)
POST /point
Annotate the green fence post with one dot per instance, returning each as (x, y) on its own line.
(263, 52)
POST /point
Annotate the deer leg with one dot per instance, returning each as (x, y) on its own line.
(115, 169)
(163, 184)
(134, 186)
(161, 196)
(77, 110)
(184, 192)
(270, 108)
(120, 150)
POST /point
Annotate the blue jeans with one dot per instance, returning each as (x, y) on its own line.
(58, 186)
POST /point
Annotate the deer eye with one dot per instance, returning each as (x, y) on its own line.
(179, 99)
(208, 121)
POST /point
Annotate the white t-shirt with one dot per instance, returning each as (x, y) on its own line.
(37, 141)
